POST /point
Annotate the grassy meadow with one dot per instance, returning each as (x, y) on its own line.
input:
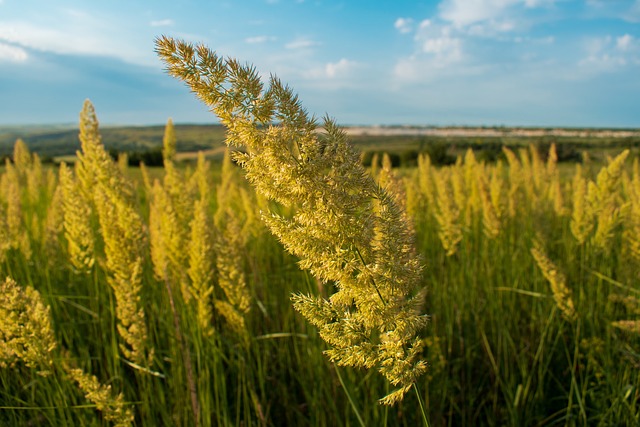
(514, 338)
(205, 293)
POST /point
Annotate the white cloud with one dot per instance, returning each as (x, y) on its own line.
(444, 46)
(474, 34)
(334, 72)
(624, 42)
(535, 40)
(607, 54)
(427, 69)
(490, 29)
(12, 53)
(625, 10)
(489, 16)
(424, 24)
(340, 68)
(162, 23)
(301, 43)
(77, 33)
(406, 69)
(439, 41)
(37, 37)
(596, 64)
(259, 39)
(465, 12)
(439, 50)
(404, 25)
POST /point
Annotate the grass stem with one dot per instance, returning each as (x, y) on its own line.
(423, 410)
(353, 404)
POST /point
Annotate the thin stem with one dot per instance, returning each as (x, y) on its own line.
(422, 408)
(186, 356)
(353, 404)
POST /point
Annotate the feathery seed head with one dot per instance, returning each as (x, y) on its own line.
(632, 326)
(26, 334)
(557, 280)
(201, 265)
(346, 229)
(447, 214)
(77, 226)
(114, 409)
(169, 142)
(21, 157)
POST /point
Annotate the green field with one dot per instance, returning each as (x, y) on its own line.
(499, 347)
(297, 280)
(55, 142)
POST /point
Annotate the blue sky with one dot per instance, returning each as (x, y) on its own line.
(448, 62)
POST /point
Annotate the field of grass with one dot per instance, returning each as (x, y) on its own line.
(294, 290)
(52, 142)
(403, 144)
(502, 344)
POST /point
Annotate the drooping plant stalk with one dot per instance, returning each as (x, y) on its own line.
(346, 229)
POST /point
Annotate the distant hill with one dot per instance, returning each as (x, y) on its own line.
(63, 140)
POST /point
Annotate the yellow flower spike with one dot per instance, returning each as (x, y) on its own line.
(77, 215)
(582, 221)
(347, 229)
(123, 232)
(515, 182)
(201, 263)
(557, 280)
(26, 334)
(114, 409)
(605, 200)
(425, 179)
(21, 157)
(169, 142)
(447, 214)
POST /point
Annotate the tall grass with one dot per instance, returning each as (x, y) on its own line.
(531, 276)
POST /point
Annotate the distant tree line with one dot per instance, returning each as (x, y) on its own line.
(150, 157)
(443, 152)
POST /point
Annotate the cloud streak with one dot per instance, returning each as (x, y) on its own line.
(462, 13)
(301, 43)
(489, 37)
(76, 32)
(162, 23)
(259, 39)
(439, 41)
(404, 25)
(12, 53)
(608, 54)
(340, 68)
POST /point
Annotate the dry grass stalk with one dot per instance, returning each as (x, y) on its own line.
(347, 229)
(26, 334)
(447, 214)
(123, 233)
(113, 409)
(582, 220)
(557, 281)
(77, 223)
